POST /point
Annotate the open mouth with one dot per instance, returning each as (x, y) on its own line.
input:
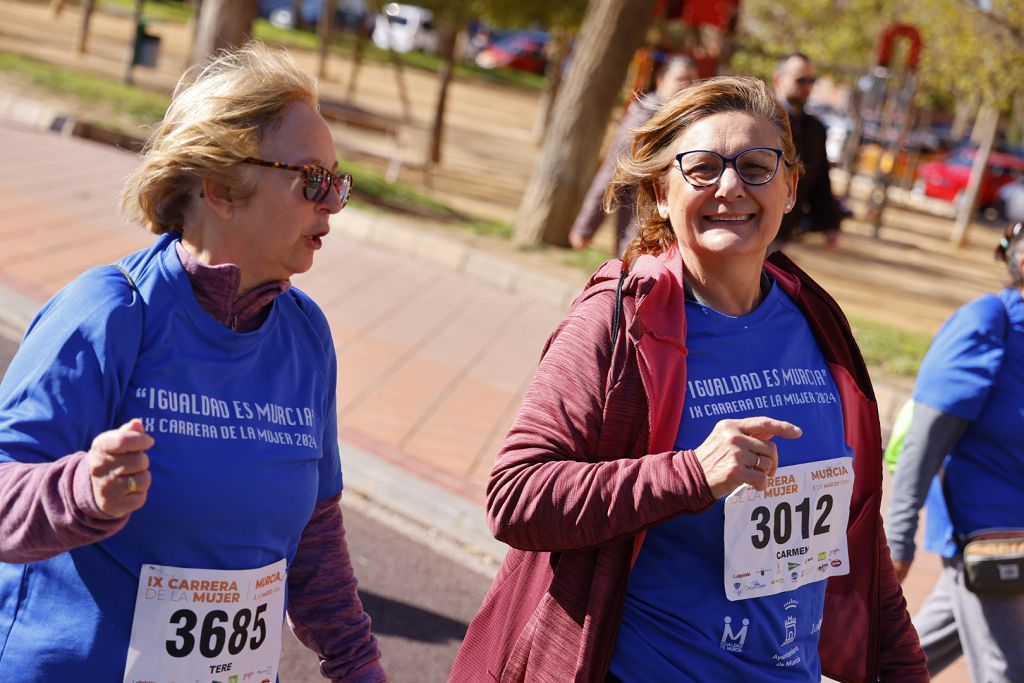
(316, 241)
(730, 218)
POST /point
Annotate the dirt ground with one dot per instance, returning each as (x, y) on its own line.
(908, 276)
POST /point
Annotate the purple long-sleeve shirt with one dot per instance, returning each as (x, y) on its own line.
(48, 508)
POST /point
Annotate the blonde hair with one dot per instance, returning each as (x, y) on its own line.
(638, 172)
(219, 115)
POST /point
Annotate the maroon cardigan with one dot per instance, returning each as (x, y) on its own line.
(588, 466)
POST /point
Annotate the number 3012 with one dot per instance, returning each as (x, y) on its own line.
(780, 524)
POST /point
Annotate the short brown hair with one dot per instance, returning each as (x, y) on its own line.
(638, 172)
(218, 116)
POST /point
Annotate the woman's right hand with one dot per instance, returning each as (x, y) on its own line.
(119, 468)
(740, 452)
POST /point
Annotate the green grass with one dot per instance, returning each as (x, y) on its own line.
(157, 10)
(142, 106)
(895, 351)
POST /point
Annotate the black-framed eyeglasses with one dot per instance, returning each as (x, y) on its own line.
(317, 181)
(704, 168)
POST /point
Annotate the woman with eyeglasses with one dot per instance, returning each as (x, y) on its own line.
(691, 488)
(169, 464)
(966, 425)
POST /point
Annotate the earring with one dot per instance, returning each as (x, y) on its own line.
(663, 211)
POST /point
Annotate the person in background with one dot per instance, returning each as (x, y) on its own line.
(691, 488)
(671, 77)
(169, 466)
(816, 208)
(967, 423)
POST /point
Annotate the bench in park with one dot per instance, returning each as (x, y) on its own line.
(389, 128)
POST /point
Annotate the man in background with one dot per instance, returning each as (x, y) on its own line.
(816, 208)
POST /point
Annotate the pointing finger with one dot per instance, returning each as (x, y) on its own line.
(762, 427)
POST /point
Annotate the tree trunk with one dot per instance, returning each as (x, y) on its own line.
(611, 32)
(985, 133)
(222, 24)
(558, 54)
(136, 23)
(357, 63)
(403, 91)
(447, 34)
(82, 37)
(965, 108)
(324, 31)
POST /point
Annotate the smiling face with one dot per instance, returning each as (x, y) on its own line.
(281, 229)
(730, 218)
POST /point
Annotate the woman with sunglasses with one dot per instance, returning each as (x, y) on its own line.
(966, 425)
(691, 488)
(169, 465)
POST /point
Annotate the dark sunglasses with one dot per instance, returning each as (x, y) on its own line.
(317, 181)
(807, 80)
(704, 168)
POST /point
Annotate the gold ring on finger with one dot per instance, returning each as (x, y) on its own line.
(132, 486)
(757, 463)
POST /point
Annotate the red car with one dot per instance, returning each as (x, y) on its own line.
(947, 178)
(523, 51)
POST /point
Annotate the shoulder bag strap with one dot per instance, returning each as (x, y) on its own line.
(617, 315)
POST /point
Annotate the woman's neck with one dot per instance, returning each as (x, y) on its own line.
(213, 253)
(735, 290)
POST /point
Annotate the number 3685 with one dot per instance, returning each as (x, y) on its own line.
(214, 633)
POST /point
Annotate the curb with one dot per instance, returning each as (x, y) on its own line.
(461, 257)
(421, 502)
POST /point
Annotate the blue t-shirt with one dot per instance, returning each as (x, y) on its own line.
(678, 624)
(974, 369)
(246, 442)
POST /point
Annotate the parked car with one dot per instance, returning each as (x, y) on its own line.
(349, 15)
(404, 28)
(523, 50)
(947, 178)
